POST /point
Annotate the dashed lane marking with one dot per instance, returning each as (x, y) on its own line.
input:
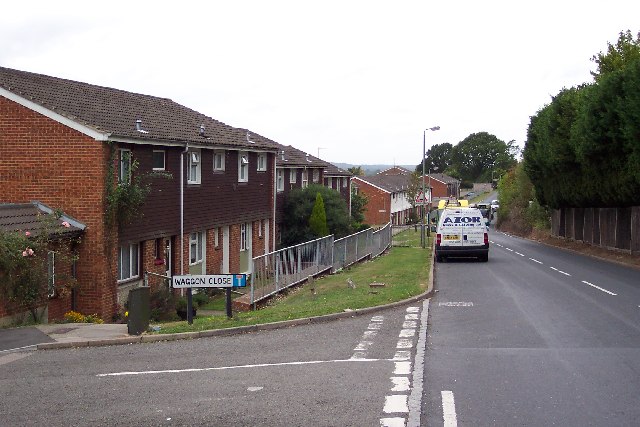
(535, 260)
(599, 288)
(518, 253)
(449, 409)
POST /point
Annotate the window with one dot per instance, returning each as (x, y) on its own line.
(51, 274)
(216, 242)
(158, 160)
(194, 167)
(125, 167)
(260, 228)
(244, 230)
(293, 175)
(305, 178)
(243, 166)
(262, 162)
(218, 160)
(344, 182)
(128, 262)
(280, 180)
(316, 175)
(196, 243)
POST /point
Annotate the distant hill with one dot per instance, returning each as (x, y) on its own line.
(373, 169)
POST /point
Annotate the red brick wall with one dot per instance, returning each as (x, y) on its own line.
(377, 200)
(47, 161)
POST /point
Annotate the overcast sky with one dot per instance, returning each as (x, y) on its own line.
(355, 81)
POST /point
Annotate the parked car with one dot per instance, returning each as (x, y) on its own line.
(495, 205)
(462, 232)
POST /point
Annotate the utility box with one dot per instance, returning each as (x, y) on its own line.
(139, 311)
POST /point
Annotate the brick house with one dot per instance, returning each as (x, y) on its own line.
(68, 144)
(387, 196)
(442, 186)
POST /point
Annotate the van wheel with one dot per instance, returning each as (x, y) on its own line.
(439, 258)
(484, 258)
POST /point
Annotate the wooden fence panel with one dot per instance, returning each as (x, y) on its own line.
(587, 231)
(635, 230)
(623, 229)
(608, 227)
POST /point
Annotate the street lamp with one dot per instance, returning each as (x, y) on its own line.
(424, 195)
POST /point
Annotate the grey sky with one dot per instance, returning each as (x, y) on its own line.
(359, 80)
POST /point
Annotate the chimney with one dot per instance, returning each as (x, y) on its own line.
(201, 130)
(139, 125)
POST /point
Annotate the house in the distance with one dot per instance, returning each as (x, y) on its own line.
(340, 180)
(386, 193)
(442, 187)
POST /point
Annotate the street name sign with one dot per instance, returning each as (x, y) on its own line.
(210, 281)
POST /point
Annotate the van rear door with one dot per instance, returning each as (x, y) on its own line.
(451, 229)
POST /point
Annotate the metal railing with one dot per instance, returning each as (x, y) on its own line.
(286, 267)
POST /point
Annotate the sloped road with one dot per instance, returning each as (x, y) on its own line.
(537, 336)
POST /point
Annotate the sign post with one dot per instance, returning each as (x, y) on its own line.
(226, 281)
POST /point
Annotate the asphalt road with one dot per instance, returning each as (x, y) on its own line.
(350, 372)
(537, 336)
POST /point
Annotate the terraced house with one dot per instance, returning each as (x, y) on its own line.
(92, 151)
(386, 192)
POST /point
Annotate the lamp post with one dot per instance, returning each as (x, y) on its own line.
(424, 195)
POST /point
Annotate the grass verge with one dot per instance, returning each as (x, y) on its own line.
(403, 270)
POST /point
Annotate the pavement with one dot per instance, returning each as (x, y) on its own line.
(70, 335)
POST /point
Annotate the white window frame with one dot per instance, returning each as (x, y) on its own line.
(216, 241)
(316, 175)
(196, 247)
(262, 162)
(260, 228)
(244, 236)
(293, 175)
(195, 167)
(164, 160)
(125, 166)
(243, 166)
(218, 155)
(51, 274)
(280, 180)
(344, 182)
(305, 178)
(133, 250)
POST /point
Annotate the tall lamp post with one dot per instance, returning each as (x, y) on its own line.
(424, 195)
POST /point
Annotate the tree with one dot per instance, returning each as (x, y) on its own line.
(414, 188)
(356, 170)
(318, 219)
(297, 211)
(625, 51)
(438, 158)
(25, 258)
(358, 206)
(478, 154)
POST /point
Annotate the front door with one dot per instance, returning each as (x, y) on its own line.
(167, 256)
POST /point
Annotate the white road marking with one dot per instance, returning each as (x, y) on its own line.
(509, 249)
(413, 309)
(377, 319)
(415, 397)
(553, 268)
(402, 368)
(411, 316)
(535, 260)
(562, 272)
(359, 355)
(374, 326)
(396, 403)
(599, 288)
(370, 334)
(402, 355)
(363, 345)
(518, 253)
(392, 422)
(259, 365)
(491, 241)
(449, 409)
(455, 304)
(499, 245)
(406, 333)
(404, 343)
(400, 384)
(254, 388)
(410, 324)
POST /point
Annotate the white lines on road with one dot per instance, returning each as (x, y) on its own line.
(518, 253)
(455, 304)
(599, 288)
(449, 409)
(509, 249)
(535, 260)
(562, 272)
(361, 350)
(396, 403)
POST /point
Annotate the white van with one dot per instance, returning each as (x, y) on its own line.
(462, 232)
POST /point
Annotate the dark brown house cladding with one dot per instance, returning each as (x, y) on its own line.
(100, 140)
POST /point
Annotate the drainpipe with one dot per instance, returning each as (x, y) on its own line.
(186, 150)
(275, 194)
